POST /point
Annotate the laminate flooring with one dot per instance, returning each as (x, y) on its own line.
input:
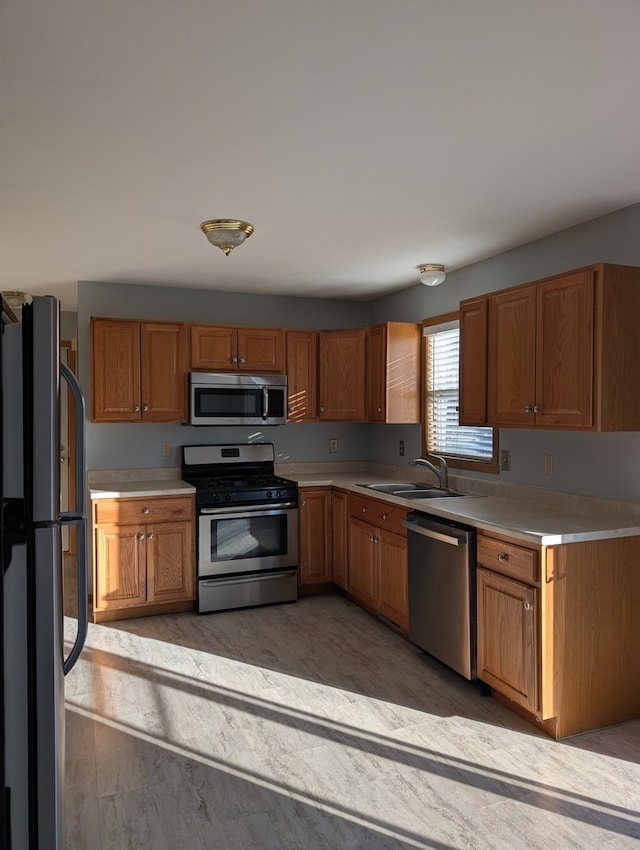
(313, 725)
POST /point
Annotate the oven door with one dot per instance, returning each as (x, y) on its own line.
(247, 539)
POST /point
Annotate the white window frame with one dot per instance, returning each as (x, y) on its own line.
(451, 433)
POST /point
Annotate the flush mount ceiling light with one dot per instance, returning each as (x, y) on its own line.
(431, 274)
(226, 233)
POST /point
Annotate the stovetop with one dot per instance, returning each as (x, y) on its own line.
(241, 474)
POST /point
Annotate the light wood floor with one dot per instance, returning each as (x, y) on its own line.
(312, 725)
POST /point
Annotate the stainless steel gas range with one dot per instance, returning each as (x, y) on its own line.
(247, 546)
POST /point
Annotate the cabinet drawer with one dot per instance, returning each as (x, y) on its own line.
(380, 514)
(508, 559)
(154, 509)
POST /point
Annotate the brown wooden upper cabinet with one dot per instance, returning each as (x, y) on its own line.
(562, 352)
(224, 348)
(393, 373)
(473, 361)
(138, 371)
(302, 376)
(341, 355)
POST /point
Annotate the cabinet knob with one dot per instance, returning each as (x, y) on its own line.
(503, 557)
(234, 359)
(145, 407)
(527, 606)
(304, 502)
(378, 409)
(536, 409)
(241, 360)
(145, 510)
(136, 407)
(528, 408)
(141, 537)
(150, 536)
(372, 539)
(364, 510)
(322, 410)
(385, 516)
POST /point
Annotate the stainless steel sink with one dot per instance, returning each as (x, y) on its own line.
(413, 490)
(395, 488)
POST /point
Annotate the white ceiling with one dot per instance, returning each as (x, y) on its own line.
(360, 137)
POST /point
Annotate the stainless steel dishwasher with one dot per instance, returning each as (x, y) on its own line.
(442, 590)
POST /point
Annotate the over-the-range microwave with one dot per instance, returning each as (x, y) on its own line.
(236, 399)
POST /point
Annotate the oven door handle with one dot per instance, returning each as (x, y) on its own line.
(216, 582)
(248, 509)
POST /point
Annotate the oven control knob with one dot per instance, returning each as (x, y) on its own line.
(279, 494)
(227, 498)
(269, 494)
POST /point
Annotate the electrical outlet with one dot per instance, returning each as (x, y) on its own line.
(505, 459)
(333, 445)
(548, 464)
(401, 448)
(166, 450)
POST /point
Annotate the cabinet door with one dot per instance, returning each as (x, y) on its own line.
(120, 572)
(473, 361)
(376, 373)
(170, 561)
(302, 375)
(164, 395)
(512, 351)
(115, 370)
(362, 562)
(342, 374)
(392, 555)
(261, 350)
(214, 348)
(340, 529)
(315, 536)
(508, 637)
(564, 351)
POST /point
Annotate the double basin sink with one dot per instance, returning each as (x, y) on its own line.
(414, 490)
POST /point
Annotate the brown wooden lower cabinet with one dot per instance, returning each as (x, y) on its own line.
(315, 535)
(556, 634)
(378, 558)
(144, 556)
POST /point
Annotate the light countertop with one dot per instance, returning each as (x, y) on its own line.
(529, 521)
(150, 487)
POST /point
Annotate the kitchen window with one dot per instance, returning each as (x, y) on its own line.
(463, 446)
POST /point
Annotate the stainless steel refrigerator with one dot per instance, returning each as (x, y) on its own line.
(33, 651)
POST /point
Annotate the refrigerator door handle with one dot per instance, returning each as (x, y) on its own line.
(80, 472)
(83, 605)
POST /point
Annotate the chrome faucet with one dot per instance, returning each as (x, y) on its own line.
(441, 470)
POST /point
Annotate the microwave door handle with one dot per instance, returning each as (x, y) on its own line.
(265, 402)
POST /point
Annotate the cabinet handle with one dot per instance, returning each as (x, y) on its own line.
(141, 537)
(527, 606)
(528, 408)
(150, 536)
(137, 408)
(503, 557)
(364, 510)
(385, 516)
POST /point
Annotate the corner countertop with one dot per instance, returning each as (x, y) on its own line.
(526, 520)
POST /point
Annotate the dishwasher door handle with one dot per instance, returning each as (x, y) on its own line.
(437, 535)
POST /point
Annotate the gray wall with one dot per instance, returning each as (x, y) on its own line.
(606, 465)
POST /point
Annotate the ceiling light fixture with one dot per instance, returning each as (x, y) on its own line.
(226, 233)
(432, 274)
